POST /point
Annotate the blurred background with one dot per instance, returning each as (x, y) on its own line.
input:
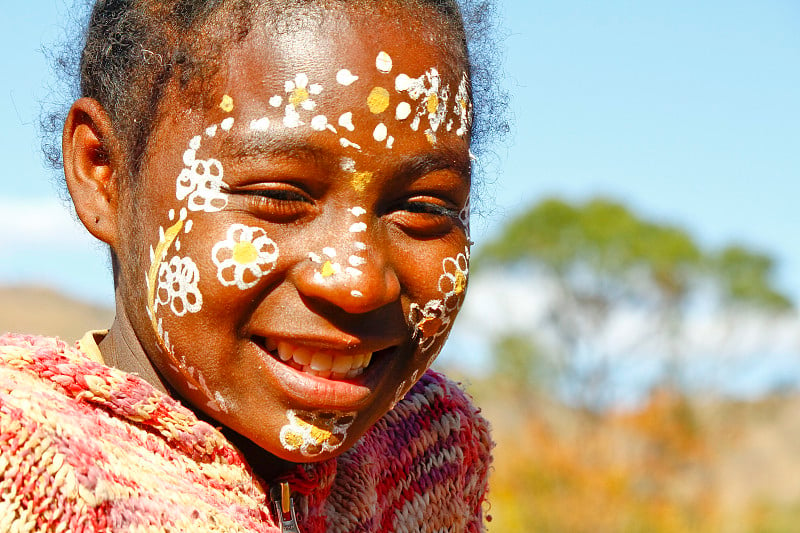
(632, 329)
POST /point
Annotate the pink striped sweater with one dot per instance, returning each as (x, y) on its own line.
(85, 447)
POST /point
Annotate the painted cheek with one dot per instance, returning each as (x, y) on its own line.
(433, 320)
(172, 280)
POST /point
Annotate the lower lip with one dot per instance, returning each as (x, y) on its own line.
(314, 392)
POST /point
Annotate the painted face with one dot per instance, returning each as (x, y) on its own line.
(302, 249)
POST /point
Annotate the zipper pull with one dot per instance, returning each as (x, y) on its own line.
(283, 505)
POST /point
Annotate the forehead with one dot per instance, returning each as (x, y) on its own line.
(347, 72)
(372, 88)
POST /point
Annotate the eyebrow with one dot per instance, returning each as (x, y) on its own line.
(257, 146)
(442, 159)
(291, 146)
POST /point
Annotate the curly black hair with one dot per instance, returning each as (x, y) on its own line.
(130, 50)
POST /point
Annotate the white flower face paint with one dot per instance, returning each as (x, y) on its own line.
(200, 185)
(433, 320)
(313, 433)
(463, 107)
(177, 286)
(244, 257)
(299, 94)
(431, 97)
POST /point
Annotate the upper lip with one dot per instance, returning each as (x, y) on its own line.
(343, 344)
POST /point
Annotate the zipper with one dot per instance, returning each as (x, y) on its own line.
(283, 505)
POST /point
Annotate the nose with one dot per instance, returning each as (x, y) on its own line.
(356, 276)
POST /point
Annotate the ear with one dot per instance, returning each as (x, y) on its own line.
(93, 167)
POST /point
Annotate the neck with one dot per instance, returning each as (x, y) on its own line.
(121, 349)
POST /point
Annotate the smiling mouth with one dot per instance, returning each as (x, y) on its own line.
(326, 364)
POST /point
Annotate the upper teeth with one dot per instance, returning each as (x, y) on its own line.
(323, 363)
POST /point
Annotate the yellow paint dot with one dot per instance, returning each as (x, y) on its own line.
(226, 104)
(461, 282)
(431, 137)
(299, 95)
(327, 270)
(433, 103)
(293, 440)
(361, 180)
(378, 100)
(244, 253)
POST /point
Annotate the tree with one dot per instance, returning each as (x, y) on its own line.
(604, 259)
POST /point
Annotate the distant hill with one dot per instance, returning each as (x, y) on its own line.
(44, 311)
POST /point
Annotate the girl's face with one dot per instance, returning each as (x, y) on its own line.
(302, 247)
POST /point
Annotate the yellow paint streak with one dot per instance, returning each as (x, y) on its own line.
(226, 104)
(319, 435)
(433, 104)
(244, 253)
(378, 100)
(327, 270)
(461, 282)
(429, 326)
(169, 237)
(299, 95)
(361, 180)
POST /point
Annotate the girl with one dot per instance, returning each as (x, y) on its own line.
(284, 187)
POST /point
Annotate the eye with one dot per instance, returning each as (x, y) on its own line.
(277, 202)
(425, 215)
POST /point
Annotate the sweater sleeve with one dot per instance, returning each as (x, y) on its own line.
(41, 489)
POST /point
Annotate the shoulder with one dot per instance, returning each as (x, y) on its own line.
(42, 432)
(424, 465)
(92, 447)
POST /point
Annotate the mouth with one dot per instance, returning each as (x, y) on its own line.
(322, 363)
(321, 377)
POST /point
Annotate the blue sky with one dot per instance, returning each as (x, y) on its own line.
(688, 112)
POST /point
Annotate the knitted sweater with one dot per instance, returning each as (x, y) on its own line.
(85, 447)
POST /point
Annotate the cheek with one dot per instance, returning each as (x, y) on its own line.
(432, 319)
(173, 278)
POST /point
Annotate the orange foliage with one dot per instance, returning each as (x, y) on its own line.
(577, 471)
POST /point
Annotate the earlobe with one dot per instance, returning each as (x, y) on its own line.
(92, 168)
